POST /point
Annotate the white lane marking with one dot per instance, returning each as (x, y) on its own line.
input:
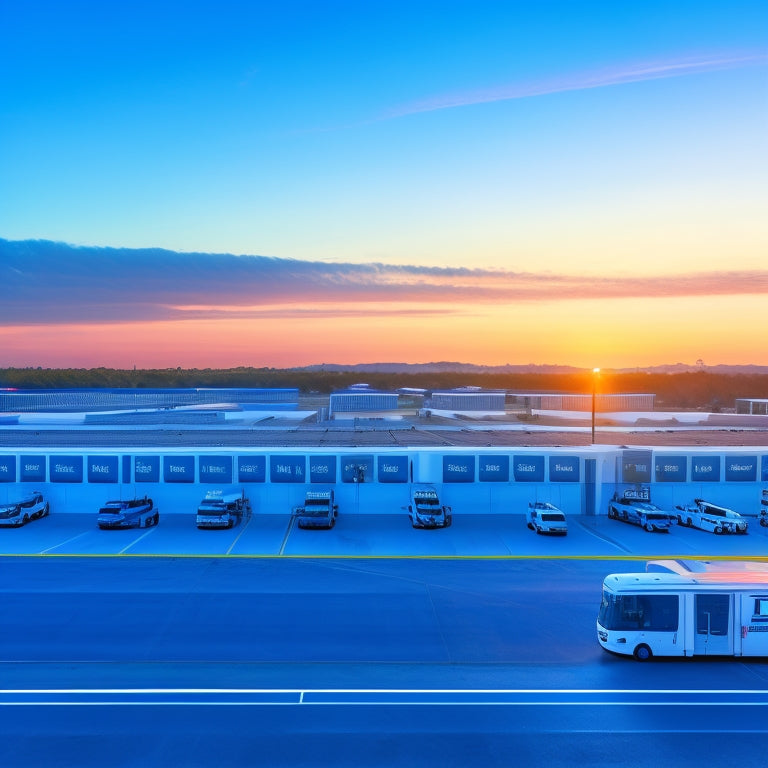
(136, 541)
(690, 691)
(352, 703)
(56, 546)
(239, 535)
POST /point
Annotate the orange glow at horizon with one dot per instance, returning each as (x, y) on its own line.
(617, 333)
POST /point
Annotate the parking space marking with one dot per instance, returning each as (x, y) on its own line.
(67, 541)
(239, 536)
(136, 541)
(287, 534)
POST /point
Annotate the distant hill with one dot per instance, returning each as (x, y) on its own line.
(439, 367)
(455, 367)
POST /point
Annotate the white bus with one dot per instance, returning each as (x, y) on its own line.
(686, 608)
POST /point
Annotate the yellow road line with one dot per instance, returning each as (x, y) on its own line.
(169, 555)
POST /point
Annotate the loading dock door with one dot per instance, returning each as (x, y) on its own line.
(588, 503)
(713, 621)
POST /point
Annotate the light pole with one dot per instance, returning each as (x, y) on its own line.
(595, 374)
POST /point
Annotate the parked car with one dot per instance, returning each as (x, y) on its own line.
(132, 513)
(19, 513)
(711, 517)
(634, 506)
(544, 517)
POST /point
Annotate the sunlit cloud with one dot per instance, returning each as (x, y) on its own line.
(622, 74)
(48, 282)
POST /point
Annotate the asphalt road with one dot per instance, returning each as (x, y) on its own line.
(275, 661)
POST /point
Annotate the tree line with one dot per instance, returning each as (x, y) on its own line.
(689, 390)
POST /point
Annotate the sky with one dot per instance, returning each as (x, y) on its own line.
(216, 184)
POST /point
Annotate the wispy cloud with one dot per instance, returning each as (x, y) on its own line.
(45, 282)
(616, 75)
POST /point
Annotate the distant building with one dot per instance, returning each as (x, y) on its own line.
(86, 399)
(361, 400)
(752, 405)
(604, 403)
(468, 399)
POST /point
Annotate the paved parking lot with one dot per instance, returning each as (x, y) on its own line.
(374, 536)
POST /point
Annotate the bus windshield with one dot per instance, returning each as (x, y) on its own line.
(654, 613)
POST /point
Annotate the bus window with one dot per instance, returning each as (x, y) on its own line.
(761, 606)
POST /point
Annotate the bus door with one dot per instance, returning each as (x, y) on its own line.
(713, 621)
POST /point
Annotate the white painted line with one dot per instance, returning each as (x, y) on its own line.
(239, 535)
(352, 703)
(388, 691)
(136, 541)
(56, 546)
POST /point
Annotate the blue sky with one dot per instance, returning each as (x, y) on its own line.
(568, 141)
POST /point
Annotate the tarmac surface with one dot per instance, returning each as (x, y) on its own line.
(371, 535)
(301, 661)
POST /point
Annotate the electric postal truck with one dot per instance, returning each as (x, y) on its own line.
(319, 510)
(222, 510)
(18, 513)
(544, 517)
(711, 517)
(633, 505)
(130, 513)
(426, 511)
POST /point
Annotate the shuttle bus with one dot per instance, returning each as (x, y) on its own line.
(682, 608)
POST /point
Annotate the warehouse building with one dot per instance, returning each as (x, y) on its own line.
(751, 405)
(360, 399)
(468, 399)
(81, 400)
(604, 403)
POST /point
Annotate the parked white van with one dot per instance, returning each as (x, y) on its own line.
(544, 517)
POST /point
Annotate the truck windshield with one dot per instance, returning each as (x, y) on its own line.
(550, 517)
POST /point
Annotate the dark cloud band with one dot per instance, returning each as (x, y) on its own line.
(47, 282)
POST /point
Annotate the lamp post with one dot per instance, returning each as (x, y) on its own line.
(595, 374)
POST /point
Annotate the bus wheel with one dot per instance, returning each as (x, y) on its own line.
(642, 652)
(718, 530)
